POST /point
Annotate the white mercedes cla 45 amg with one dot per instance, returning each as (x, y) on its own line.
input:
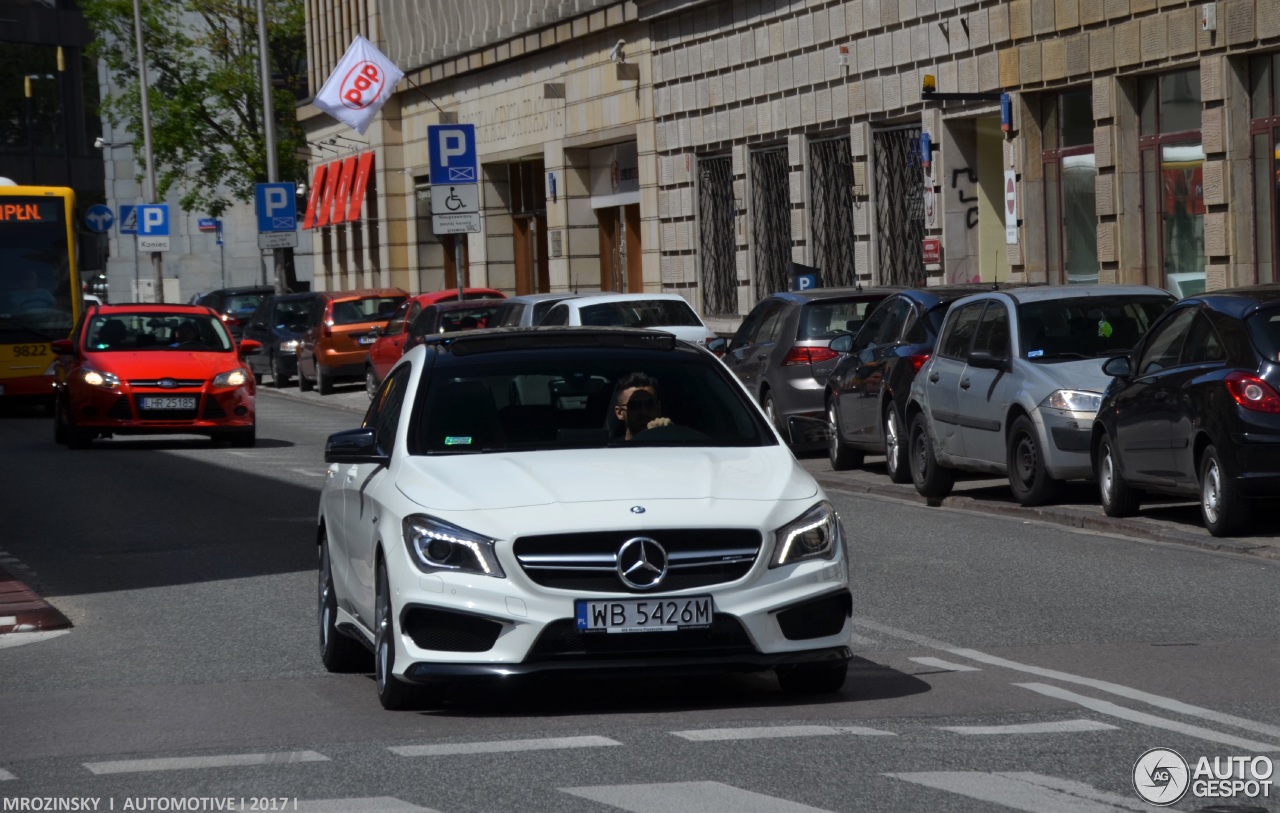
(521, 502)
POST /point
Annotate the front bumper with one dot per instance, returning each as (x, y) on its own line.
(119, 410)
(1065, 438)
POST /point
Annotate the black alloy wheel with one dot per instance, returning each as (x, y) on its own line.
(842, 457)
(338, 652)
(932, 481)
(896, 446)
(1118, 498)
(395, 695)
(1029, 479)
(279, 378)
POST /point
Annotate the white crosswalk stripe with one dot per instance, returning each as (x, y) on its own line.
(500, 746)
(704, 797)
(772, 732)
(188, 763)
(1025, 791)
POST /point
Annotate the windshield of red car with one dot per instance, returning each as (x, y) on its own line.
(156, 331)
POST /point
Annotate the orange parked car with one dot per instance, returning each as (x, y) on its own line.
(337, 336)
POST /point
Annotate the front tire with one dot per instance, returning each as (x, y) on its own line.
(370, 382)
(279, 379)
(394, 694)
(895, 446)
(841, 456)
(766, 404)
(59, 423)
(304, 383)
(932, 481)
(1118, 498)
(1225, 512)
(812, 678)
(324, 381)
(338, 653)
(1028, 478)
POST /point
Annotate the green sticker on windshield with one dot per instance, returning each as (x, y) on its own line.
(452, 440)
(1104, 328)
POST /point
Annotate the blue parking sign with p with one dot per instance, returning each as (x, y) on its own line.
(277, 207)
(452, 149)
(153, 220)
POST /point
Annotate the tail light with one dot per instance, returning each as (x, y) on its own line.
(918, 360)
(809, 355)
(326, 324)
(1252, 392)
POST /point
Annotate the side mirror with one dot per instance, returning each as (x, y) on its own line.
(375, 331)
(249, 347)
(986, 360)
(718, 345)
(63, 347)
(1118, 367)
(842, 343)
(354, 446)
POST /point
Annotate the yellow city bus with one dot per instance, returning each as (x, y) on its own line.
(40, 296)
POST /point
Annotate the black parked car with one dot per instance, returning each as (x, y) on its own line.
(278, 323)
(782, 353)
(1194, 410)
(866, 393)
(234, 305)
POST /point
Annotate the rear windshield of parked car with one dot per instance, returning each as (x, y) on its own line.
(455, 319)
(371, 309)
(1265, 329)
(156, 331)
(640, 313)
(239, 303)
(826, 320)
(1086, 327)
(539, 400)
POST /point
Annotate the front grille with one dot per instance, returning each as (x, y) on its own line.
(446, 631)
(587, 562)
(561, 640)
(212, 409)
(179, 383)
(164, 414)
(816, 618)
(120, 410)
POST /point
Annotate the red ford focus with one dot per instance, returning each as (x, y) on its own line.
(153, 369)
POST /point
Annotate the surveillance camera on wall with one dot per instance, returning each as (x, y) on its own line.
(617, 54)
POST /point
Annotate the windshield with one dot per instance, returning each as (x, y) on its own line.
(538, 400)
(372, 309)
(826, 320)
(640, 313)
(35, 271)
(291, 314)
(243, 303)
(455, 319)
(1086, 327)
(1265, 328)
(156, 331)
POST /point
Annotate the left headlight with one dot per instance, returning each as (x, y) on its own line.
(231, 378)
(816, 534)
(1074, 401)
(96, 379)
(436, 545)
(290, 346)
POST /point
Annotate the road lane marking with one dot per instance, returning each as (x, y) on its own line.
(705, 797)
(1031, 792)
(374, 804)
(19, 638)
(1166, 703)
(771, 732)
(186, 763)
(1113, 710)
(861, 731)
(938, 663)
(5, 776)
(1059, 727)
(308, 472)
(500, 746)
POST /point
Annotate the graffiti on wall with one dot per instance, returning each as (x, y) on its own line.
(964, 182)
(970, 214)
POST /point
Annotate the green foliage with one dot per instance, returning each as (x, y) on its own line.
(205, 95)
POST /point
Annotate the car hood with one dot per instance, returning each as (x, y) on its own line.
(486, 482)
(1043, 378)
(163, 364)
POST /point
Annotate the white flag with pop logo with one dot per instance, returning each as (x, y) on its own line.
(356, 90)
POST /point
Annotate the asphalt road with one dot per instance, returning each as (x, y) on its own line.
(1003, 663)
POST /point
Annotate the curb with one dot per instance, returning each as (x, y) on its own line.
(22, 610)
(1061, 516)
(291, 394)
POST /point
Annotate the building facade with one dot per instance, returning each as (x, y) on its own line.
(1067, 141)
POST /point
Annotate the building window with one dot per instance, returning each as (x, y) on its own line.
(1071, 238)
(1264, 90)
(1172, 181)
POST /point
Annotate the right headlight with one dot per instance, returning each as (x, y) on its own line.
(435, 545)
(816, 534)
(1074, 401)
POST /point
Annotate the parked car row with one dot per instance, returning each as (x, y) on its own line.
(1124, 385)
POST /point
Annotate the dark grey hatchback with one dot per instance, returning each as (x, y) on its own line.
(782, 353)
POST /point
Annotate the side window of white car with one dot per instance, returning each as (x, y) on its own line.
(390, 402)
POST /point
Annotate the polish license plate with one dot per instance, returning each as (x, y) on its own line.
(366, 339)
(643, 615)
(167, 403)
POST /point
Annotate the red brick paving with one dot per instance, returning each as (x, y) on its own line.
(21, 610)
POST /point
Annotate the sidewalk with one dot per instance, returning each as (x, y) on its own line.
(1160, 520)
(21, 610)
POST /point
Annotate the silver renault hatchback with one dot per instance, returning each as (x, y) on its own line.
(1015, 382)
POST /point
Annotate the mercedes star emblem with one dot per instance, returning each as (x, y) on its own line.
(642, 563)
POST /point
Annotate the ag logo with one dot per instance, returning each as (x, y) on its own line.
(1161, 776)
(361, 86)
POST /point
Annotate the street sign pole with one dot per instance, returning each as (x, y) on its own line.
(459, 246)
(222, 260)
(157, 259)
(269, 128)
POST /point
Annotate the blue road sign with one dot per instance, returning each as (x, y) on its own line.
(153, 220)
(128, 218)
(453, 153)
(207, 224)
(277, 207)
(99, 218)
(806, 282)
